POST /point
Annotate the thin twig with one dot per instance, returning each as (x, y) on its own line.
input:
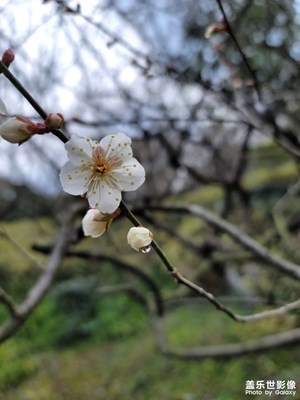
(239, 48)
(17, 84)
(199, 290)
(123, 265)
(38, 291)
(8, 302)
(20, 249)
(225, 351)
(261, 252)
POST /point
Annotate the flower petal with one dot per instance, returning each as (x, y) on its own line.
(94, 230)
(80, 150)
(103, 196)
(92, 226)
(74, 180)
(117, 147)
(130, 176)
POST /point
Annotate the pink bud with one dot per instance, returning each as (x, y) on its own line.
(250, 83)
(40, 128)
(54, 121)
(25, 125)
(215, 28)
(8, 57)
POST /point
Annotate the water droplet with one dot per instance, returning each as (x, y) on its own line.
(146, 250)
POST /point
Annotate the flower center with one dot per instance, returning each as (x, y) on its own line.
(100, 168)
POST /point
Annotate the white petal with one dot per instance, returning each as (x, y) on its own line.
(104, 197)
(130, 176)
(80, 150)
(74, 180)
(91, 225)
(94, 230)
(117, 146)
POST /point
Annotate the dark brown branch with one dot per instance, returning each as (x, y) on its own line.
(240, 50)
(167, 119)
(242, 158)
(17, 84)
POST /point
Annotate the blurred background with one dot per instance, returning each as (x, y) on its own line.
(213, 114)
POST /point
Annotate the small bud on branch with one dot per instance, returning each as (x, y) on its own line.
(139, 238)
(8, 57)
(17, 130)
(95, 223)
(54, 121)
(215, 28)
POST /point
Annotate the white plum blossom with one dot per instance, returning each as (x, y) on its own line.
(139, 238)
(94, 223)
(101, 171)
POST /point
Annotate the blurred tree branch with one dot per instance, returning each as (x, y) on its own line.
(20, 312)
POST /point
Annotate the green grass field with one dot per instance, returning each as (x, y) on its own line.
(76, 346)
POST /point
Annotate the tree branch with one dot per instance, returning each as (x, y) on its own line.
(240, 50)
(38, 291)
(17, 84)
(147, 280)
(226, 351)
(262, 253)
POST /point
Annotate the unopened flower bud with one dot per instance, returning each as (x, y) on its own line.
(8, 57)
(139, 238)
(54, 121)
(95, 223)
(214, 28)
(17, 129)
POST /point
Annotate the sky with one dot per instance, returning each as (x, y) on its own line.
(71, 64)
(91, 74)
(36, 32)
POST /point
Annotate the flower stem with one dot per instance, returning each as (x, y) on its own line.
(17, 84)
